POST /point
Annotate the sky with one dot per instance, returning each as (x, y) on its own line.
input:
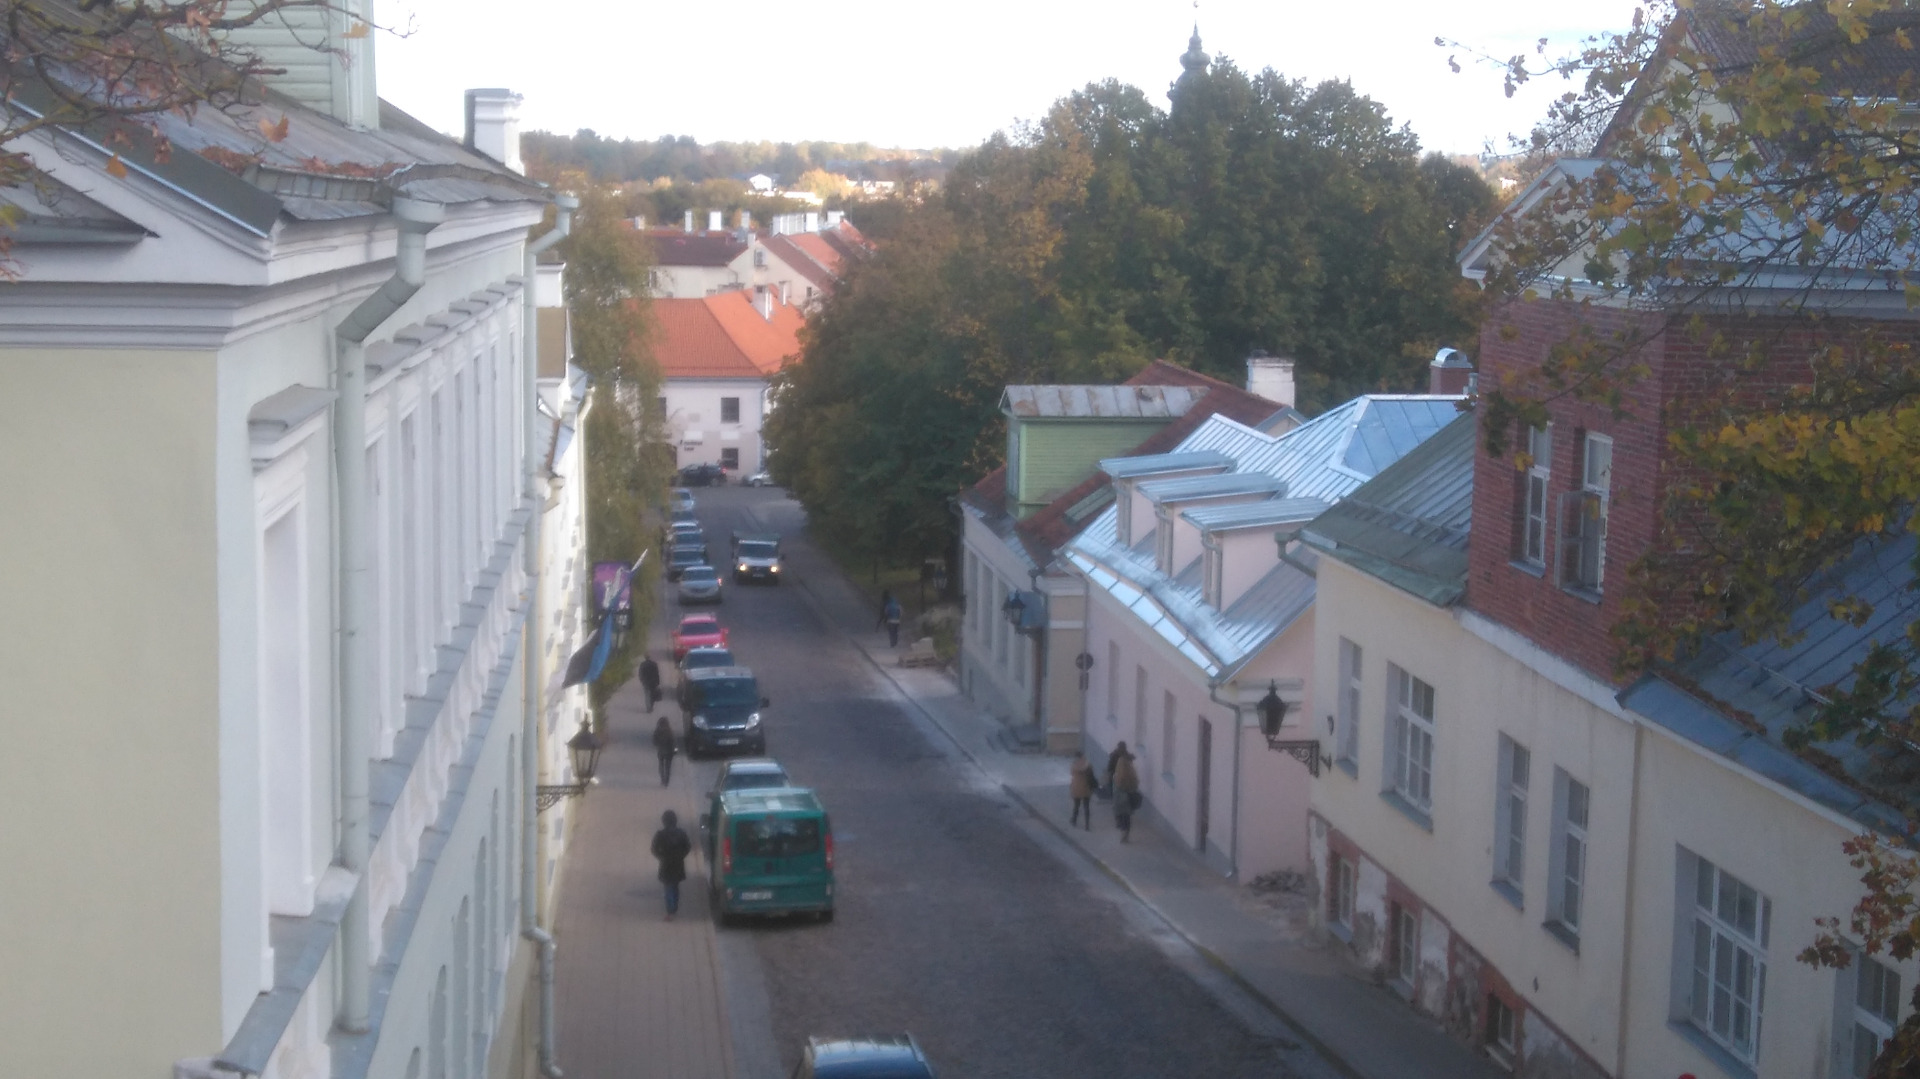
(947, 75)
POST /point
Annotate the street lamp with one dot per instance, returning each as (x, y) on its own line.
(1014, 608)
(1273, 712)
(584, 747)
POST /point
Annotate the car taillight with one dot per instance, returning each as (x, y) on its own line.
(726, 855)
(829, 850)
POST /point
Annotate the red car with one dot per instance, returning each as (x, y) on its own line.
(698, 631)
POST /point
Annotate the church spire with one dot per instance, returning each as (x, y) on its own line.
(1194, 60)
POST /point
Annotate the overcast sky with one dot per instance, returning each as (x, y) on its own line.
(945, 74)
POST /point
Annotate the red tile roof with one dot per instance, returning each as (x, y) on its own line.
(673, 247)
(724, 336)
(793, 255)
(1048, 529)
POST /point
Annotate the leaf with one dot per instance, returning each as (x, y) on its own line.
(357, 30)
(275, 132)
(116, 168)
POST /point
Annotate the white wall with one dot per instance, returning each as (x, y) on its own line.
(693, 416)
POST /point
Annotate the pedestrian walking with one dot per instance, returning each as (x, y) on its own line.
(1113, 761)
(650, 680)
(1080, 789)
(671, 847)
(891, 615)
(666, 747)
(1126, 794)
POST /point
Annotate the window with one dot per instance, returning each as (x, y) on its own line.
(1876, 1009)
(1410, 738)
(1213, 570)
(1113, 684)
(729, 410)
(759, 257)
(1340, 897)
(660, 408)
(1566, 893)
(1725, 979)
(1168, 735)
(1583, 517)
(1347, 707)
(1510, 816)
(1533, 530)
(1500, 1024)
(1405, 943)
(1140, 711)
(730, 459)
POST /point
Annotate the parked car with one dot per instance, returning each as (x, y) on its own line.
(756, 557)
(775, 855)
(760, 479)
(741, 773)
(676, 515)
(700, 584)
(697, 631)
(680, 499)
(683, 558)
(893, 1056)
(703, 475)
(721, 712)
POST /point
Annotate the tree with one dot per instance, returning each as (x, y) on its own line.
(628, 462)
(1753, 194)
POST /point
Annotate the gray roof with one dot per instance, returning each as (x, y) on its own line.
(1326, 459)
(1121, 468)
(1408, 526)
(1099, 402)
(1267, 513)
(1226, 483)
(1740, 701)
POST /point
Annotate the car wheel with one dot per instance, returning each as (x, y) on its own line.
(826, 916)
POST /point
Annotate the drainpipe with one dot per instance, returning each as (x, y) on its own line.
(1233, 813)
(415, 219)
(1040, 661)
(530, 637)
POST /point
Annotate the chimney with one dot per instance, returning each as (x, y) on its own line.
(715, 221)
(640, 223)
(1270, 377)
(1450, 373)
(321, 56)
(813, 221)
(833, 218)
(686, 224)
(493, 125)
(746, 221)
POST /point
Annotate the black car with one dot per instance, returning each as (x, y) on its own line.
(895, 1056)
(682, 557)
(721, 712)
(705, 475)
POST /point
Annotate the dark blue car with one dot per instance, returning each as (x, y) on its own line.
(891, 1056)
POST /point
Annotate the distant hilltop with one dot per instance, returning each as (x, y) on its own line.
(825, 168)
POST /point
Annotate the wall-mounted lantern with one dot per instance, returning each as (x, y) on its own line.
(1273, 713)
(584, 747)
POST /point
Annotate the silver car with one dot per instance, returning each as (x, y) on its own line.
(699, 584)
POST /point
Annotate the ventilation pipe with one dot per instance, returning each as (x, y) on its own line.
(356, 601)
(530, 639)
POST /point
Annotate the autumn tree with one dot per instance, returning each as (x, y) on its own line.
(1753, 192)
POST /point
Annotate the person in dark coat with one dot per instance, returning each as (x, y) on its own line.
(1126, 795)
(1080, 789)
(671, 847)
(666, 747)
(650, 680)
(1113, 762)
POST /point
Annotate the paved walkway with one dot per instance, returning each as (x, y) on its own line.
(638, 996)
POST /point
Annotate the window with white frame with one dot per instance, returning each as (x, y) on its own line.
(1583, 517)
(1113, 683)
(1533, 527)
(1405, 940)
(1567, 869)
(1342, 872)
(1346, 734)
(1410, 738)
(1213, 569)
(1169, 735)
(729, 410)
(1723, 926)
(1140, 711)
(1510, 815)
(1875, 1006)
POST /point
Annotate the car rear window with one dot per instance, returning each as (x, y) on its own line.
(700, 627)
(776, 837)
(699, 658)
(739, 781)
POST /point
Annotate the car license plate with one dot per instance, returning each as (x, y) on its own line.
(751, 896)
(729, 741)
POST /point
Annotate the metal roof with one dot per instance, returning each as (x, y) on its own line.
(1408, 526)
(1337, 450)
(1121, 468)
(1226, 483)
(1273, 511)
(1099, 402)
(1740, 702)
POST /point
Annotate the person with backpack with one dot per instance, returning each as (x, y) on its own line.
(670, 848)
(666, 747)
(890, 614)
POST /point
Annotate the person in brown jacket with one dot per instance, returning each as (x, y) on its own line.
(1080, 788)
(1126, 794)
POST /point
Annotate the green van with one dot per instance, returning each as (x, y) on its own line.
(772, 853)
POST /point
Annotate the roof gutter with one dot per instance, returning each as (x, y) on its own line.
(356, 601)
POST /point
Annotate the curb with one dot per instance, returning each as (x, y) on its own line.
(1213, 958)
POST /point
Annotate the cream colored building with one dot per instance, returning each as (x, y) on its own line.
(197, 883)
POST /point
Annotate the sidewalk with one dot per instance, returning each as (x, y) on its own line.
(1364, 1029)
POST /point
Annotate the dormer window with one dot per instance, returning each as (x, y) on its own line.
(1212, 569)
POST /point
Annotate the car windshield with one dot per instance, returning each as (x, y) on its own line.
(738, 781)
(757, 549)
(700, 575)
(776, 837)
(729, 693)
